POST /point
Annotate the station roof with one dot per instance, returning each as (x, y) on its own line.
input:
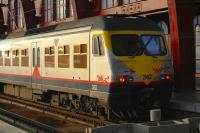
(107, 22)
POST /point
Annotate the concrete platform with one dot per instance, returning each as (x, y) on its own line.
(186, 101)
(6, 128)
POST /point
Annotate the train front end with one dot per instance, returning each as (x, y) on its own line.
(141, 68)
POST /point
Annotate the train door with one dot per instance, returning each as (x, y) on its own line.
(97, 61)
(36, 65)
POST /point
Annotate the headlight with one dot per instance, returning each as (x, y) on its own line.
(125, 79)
(166, 77)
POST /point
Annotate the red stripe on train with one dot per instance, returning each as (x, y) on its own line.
(73, 80)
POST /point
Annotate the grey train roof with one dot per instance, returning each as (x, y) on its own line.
(107, 22)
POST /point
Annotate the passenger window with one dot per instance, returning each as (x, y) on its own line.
(80, 56)
(52, 50)
(7, 58)
(97, 48)
(24, 58)
(7, 53)
(49, 57)
(63, 56)
(83, 48)
(15, 58)
(47, 51)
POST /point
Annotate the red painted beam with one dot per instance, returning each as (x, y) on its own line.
(174, 31)
(181, 15)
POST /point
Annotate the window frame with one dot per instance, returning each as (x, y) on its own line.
(100, 46)
(161, 52)
(64, 53)
(78, 51)
(15, 54)
(25, 53)
(49, 54)
(139, 53)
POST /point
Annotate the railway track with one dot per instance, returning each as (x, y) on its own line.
(26, 123)
(79, 117)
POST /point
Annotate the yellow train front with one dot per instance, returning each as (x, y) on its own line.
(138, 65)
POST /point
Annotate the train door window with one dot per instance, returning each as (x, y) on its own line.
(15, 57)
(7, 58)
(63, 56)
(97, 47)
(25, 57)
(80, 56)
(49, 56)
(34, 57)
(1, 58)
(36, 62)
(38, 57)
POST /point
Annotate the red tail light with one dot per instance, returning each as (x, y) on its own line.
(122, 79)
(167, 77)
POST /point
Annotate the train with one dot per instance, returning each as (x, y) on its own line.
(101, 65)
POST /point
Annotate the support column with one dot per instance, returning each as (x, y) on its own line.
(73, 3)
(181, 15)
(38, 5)
(5, 14)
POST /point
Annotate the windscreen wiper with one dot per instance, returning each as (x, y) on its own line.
(147, 43)
(141, 49)
(145, 46)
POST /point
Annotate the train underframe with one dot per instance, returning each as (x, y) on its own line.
(132, 104)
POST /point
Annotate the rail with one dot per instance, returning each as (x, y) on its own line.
(81, 116)
(26, 123)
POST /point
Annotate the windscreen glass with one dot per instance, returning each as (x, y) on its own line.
(153, 45)
(126, 44)
(135, 45)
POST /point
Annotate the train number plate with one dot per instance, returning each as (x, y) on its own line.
(147, 76)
